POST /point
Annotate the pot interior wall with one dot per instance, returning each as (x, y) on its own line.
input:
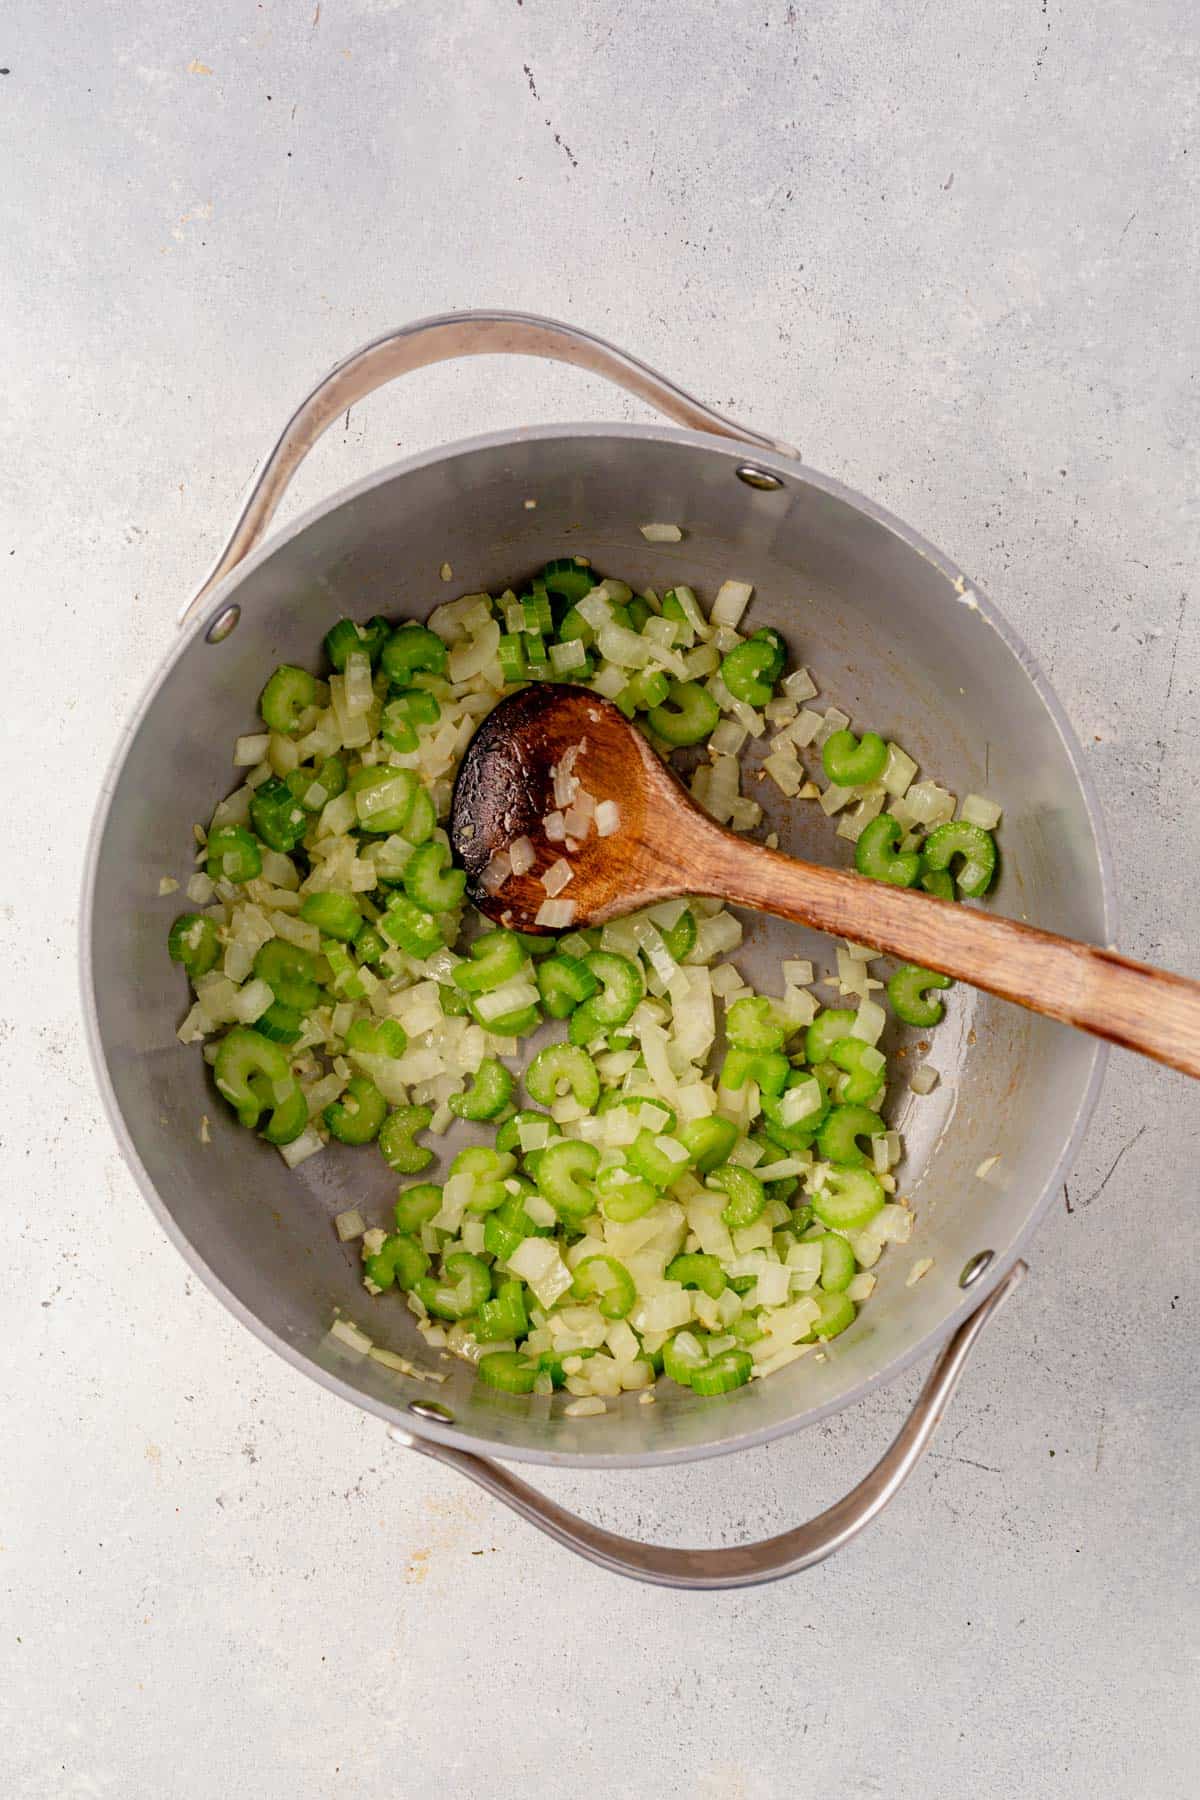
(888, 637)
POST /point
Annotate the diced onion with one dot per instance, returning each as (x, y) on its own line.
(723, 784)
(537, 1262)
(854, 823)
(801, 1101)
(771, 1288)
(728, 738)
(498, 870)
(658, 1074)
(566, 782)
(977, 810)
(558, 876)
(570, 655)
(799, 685)
(470, 659)
(252, 1001)
(733, 597)
(690, 608)
(785, 772)
(750, 721)
(928, 804)
(250, 749)
(661, 534)
(833, 798)
(521, 855)
(347, 1332)
(869, 1022)
(510, 996)
(628, 649)
(555, 914)
(577, 820)
(301, 1148)
(803, 729)
(834, 720)
(898, 771)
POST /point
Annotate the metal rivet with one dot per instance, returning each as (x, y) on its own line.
(431, 1409)
(762, 479)
(222, 625)
(974, 1266)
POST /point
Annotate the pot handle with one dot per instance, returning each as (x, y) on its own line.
(743, 1565)
(437, 340)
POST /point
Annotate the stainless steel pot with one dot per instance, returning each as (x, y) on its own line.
(897, 635)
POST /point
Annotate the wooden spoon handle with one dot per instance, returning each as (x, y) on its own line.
(1143, 1009)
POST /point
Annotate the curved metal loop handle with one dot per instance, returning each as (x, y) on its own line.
(745, 1565)
(440, 339)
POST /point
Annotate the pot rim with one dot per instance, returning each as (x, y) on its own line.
(399, 1413)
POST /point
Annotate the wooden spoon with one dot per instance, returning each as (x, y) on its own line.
(666, 847)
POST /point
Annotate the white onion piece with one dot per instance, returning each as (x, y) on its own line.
(799, 685)
(628, 649)
(750, 721)
(728, 738)
(521, 855)
(928, 804)
(200, 888)
(301, 1148)
(566, 782)
(785, 772)
(497, 872)
(977, 810)
(252, 1001)
(470, 659)
(801, 1101)
(834, 798)
(869, 1022)
(347, 1332)
(555, 914)
(250, 749)
(898, 772)
(733, 597)
(510, 996)
(558, 876)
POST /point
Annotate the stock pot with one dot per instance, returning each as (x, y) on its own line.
(897, 636)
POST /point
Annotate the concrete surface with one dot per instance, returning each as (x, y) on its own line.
(951, 250)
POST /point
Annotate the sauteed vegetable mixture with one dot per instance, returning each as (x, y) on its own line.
(693, 1179)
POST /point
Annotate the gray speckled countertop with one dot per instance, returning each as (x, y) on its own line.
(951, 251)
